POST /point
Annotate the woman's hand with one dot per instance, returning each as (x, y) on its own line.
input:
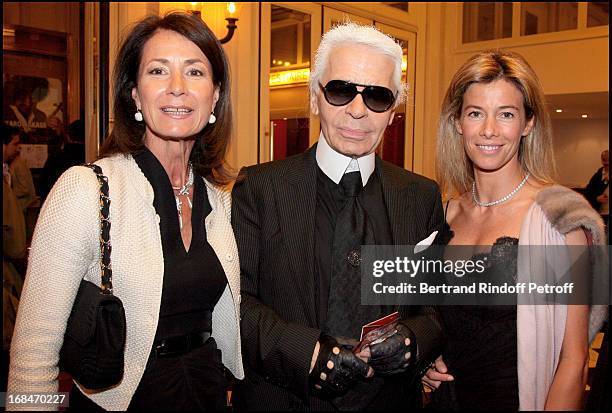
(436, 374)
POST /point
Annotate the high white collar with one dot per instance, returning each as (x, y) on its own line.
(334, 164)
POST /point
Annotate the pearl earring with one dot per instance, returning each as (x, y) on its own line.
(212, 118)
(138, 115)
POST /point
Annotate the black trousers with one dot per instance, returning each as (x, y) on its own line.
(192, 381)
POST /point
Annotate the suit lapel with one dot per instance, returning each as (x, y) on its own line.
(296, 195)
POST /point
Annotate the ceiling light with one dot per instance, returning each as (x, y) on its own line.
(559, 110)
(585, 116)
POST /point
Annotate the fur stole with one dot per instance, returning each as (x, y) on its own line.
(567, 210)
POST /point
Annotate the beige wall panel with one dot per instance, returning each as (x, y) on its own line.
(430, 80)
(242, 52)
(576, 66)
(579, 66)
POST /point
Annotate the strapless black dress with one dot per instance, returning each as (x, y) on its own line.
(481, 345)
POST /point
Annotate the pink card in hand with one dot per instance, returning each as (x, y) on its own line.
(377, 331)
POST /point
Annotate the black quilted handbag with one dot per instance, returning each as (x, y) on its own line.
(94, 341)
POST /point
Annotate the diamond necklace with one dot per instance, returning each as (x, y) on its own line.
(184, 190)
(499, 201)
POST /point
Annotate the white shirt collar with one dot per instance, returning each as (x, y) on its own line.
(334, 164)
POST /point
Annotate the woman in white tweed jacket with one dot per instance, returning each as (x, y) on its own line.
(174, 257)
(495, 150)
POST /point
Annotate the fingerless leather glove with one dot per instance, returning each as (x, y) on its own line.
(390, 356)
(336, 368)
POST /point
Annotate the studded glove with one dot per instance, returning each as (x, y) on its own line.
(393, 355)
(336, 368)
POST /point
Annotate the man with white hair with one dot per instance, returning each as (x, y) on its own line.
(299, 225)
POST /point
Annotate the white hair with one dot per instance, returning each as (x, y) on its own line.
(352, 33)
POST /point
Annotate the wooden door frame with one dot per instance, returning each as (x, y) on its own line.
(264, 68)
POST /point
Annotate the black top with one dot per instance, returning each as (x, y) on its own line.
(193, 280)
(330, 200)
(481, 351)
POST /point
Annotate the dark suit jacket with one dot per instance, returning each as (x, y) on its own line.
(273, 216)
(594, 188)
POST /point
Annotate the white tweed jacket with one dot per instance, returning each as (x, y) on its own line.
(65, 247)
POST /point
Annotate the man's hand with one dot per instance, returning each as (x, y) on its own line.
(436, 374)
(394, 354)
(336, 367)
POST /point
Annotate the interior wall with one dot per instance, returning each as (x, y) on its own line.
(565, 66)
(566, 62)
(243, 55)
(432, 80)
(577, 146)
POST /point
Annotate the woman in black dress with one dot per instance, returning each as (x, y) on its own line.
(495, 152)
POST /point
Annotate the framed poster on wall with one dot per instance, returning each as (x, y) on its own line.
(35, 89)
(32, 104)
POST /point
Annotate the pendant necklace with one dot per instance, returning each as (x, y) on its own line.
(499, 201)
(184, 190)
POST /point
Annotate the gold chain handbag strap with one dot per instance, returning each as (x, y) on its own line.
(105, 226)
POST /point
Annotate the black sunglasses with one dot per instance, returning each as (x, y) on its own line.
(339, 93)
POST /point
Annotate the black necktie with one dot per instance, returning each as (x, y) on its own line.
(345, 314)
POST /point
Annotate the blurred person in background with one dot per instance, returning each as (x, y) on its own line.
(23, 183)
(71, 153)
(597, 191)
(13, 243)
